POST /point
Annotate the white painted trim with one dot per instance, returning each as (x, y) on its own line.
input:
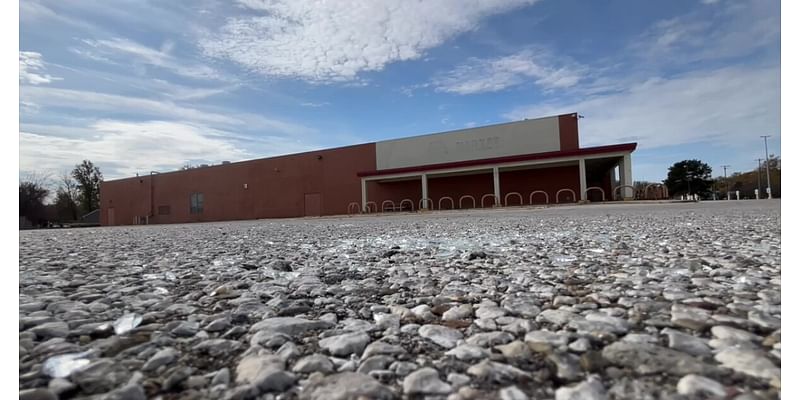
(490, 167)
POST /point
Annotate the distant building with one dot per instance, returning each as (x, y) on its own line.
(91, 217)
(533, 161)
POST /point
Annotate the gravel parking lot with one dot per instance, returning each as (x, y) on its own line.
(635, 301)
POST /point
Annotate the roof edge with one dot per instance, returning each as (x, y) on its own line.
(506, 159)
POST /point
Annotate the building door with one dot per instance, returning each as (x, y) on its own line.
(110, 216)
(313, 205)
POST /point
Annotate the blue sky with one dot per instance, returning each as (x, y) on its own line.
(139, 85)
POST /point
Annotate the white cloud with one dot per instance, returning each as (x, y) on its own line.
(181, 92)
(734, 29)
(31, 69)
(330, 41)
(85, 100)
(492, 75)
(727, 106)
(128, 147)
(161, 109)
(314, 105)
(120, 47)
(123, 148)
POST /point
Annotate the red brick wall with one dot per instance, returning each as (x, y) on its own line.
(276, 187)
(568, 131)
(457, 186)
(550, 180)
(395, 191)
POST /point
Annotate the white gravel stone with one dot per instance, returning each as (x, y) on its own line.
(489, 312)
(462, 311)
(458, 380)
(542, 340)
(697, 385)
(590, 389)
(512, 393)
(313, 363)
(686, 343)
(425, 381)
(727, 333)
(690, 317)
(558, 318)
(264, 372)
(441, 335)
(163, 357)
(346, 386)
(345, 344)
(468, 352)
(488, 339)
(589, 283)
(749, 362)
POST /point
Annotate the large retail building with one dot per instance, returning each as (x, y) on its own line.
(535, 161)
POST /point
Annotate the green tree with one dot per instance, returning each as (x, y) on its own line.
(689, 177)
(88, 178)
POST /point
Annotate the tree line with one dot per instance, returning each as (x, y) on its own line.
(77, 193)
(695, 177)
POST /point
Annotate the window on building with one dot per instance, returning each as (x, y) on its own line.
(196, 203)
(163, 210)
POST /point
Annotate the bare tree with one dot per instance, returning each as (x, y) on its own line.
(67, 198)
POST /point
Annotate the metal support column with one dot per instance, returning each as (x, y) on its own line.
(626, 165)
(582, 173)
(496, 174)
(424, 191)
(363, 195)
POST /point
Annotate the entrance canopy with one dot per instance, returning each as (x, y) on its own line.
(588, 160)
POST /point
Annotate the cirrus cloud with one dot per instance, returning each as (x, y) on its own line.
(727, 106)
(495, 74)
(31, 69)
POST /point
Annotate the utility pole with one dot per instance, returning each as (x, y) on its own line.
(759, 177)
(769, 186)
(727, 189)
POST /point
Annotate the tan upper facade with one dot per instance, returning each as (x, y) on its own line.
(540, 135)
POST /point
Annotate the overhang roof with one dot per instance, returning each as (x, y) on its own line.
(614, 148)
